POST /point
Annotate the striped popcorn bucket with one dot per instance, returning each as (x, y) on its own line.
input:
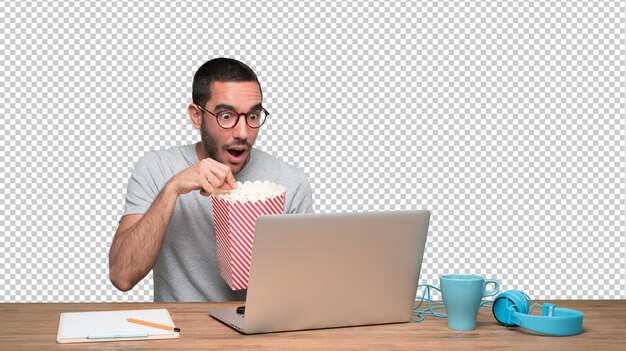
(234, 216)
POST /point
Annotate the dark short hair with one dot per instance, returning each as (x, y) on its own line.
(219, 70)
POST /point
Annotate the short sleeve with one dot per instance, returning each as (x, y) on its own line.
(144, 185)
(303, 197)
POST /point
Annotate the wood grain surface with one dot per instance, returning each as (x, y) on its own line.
(33, 326)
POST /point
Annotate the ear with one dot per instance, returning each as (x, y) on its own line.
(195, 115)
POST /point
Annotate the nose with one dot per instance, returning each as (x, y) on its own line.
(240, 130)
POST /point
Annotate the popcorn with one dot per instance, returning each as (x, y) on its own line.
(234, 215)
(251, 191)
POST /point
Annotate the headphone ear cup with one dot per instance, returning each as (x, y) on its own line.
(523, 300)
(507, 303)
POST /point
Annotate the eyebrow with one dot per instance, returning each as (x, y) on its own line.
(229, 107)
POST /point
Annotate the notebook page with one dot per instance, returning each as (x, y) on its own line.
(83, 324)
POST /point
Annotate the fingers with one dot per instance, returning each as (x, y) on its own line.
(230, 181)
(206, 188)
(215, 175)
(213, 180)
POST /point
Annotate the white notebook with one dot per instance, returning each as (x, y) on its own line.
(113, 326)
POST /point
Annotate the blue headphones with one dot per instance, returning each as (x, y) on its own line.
(511, 309)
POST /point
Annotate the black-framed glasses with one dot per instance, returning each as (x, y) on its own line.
(228, 119)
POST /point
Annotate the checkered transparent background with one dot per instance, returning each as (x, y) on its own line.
(506, 119)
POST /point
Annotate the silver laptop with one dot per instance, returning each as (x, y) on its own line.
(312, 271)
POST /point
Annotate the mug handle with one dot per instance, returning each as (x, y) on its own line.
(495, 289)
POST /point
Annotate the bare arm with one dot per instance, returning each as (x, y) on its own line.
(138, 238)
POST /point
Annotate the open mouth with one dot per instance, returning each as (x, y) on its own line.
(236, 152)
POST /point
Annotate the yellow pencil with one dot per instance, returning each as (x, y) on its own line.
(155, 325)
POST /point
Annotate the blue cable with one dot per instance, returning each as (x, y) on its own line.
(433, 305)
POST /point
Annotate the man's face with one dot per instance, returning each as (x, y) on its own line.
(230, 146)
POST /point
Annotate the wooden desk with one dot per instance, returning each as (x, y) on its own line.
(34, 327)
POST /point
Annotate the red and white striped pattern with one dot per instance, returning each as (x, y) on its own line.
(234, 228)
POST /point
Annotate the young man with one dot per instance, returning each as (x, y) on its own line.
(167, 223)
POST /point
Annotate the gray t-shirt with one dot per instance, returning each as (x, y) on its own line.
(186, 269)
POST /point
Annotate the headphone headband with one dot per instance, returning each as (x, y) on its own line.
(511, 309)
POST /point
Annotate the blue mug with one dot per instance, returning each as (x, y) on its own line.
(462, 294)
